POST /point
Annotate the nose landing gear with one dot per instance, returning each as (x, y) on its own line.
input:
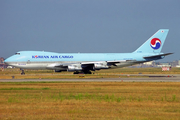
(22, 73)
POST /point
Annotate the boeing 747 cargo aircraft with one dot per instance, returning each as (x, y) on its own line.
(87, 62)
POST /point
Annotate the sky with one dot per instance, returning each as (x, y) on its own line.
(87, 26)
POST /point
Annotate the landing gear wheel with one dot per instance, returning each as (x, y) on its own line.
(76, 72)
(87, 72)
(22, 73)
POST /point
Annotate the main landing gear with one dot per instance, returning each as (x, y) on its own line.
(22, 73)
(87, 72)
(76, 72)
(83, 72)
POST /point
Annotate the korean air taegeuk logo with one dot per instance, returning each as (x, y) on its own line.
(155, 43)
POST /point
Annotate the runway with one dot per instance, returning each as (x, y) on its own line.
(147, 79)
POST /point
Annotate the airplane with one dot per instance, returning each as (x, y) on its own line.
(87, 62)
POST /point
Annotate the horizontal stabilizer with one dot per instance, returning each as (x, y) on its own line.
(148, 57)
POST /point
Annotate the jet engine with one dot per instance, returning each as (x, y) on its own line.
(75, 67)
(98, 66)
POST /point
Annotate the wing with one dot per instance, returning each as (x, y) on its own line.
(94, 65)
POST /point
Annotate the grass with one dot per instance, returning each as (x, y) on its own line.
(90, 100)
(109, 73)
(23, 88)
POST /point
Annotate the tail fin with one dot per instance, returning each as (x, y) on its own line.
(155, 43)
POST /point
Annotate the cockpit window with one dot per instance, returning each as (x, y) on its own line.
(17, 53)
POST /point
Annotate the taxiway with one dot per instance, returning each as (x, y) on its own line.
(148, 79)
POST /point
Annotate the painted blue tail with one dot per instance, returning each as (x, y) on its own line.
(155, 43)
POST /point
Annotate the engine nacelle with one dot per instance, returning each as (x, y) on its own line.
(75, 67)
(98, 66)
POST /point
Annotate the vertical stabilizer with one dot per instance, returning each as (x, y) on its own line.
(155, 43)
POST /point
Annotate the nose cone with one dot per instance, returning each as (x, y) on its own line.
(11, 59)
(7, 60)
